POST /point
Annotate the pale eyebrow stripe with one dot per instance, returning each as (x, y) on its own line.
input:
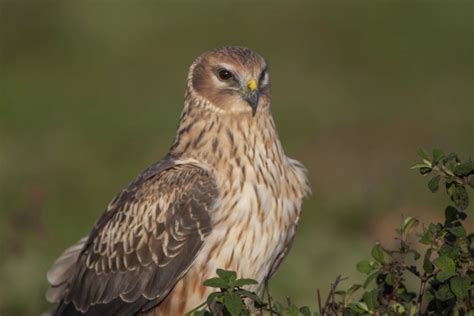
(228, 67)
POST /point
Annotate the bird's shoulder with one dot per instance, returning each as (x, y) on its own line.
(156, 195)
(142, 244)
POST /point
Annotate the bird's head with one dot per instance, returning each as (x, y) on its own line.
(234, 79)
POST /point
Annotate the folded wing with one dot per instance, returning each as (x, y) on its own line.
(141, 246)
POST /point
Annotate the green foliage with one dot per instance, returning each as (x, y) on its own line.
(445, 269)
(229, 300)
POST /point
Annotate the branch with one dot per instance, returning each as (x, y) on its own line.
(424, 279)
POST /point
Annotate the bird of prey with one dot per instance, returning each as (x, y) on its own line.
(225, 196)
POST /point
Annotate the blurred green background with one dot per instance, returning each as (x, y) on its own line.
(91, 92)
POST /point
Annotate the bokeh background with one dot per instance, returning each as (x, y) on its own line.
(91, 92)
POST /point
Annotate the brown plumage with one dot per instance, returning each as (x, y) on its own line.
(225, 196)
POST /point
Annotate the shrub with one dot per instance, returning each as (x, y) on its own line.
(444, 269)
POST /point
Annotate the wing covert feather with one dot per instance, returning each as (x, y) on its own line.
(143, 244)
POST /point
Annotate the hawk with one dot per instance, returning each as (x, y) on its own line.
(225, 196)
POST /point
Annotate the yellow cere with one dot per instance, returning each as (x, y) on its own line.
(252, 84)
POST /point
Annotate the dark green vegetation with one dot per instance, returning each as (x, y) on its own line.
(444, 270)
(90, 94)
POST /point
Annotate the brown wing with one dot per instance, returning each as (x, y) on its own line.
(141, 246)
(279, 259)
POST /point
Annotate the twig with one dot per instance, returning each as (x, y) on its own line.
(467, 302)
(421, 294)
(442, 171)
(333, 289)
(323, 310)
(319, 303)
(269, 298)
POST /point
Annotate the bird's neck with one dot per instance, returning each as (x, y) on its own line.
(216, 138)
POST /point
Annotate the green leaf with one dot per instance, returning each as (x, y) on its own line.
(348, 311)
(460, 287)
(464, 169)
(420, 165)
(364, 267)
(428, 297)
(278, 307)
(438, 154)
(416, 254)
(423, 154)
(457, 231)
(449, 168)
(389, 279)
(408, 224)
(413, 269)
(471, 182)
(450, 180)
(445, 263)
(305, 311)
(427, 265)
(404, 296)
(251, 295)
(293, 310)
(425, 170)
(444, 293)
(228, 276)
(398, 308)
(340, 293)
(427, 237)
(216, 282)
(449, 251)
(233, 303)
(452, 214)
(358, 307)
(443, 275)
(370, 299)
(451, 157)
(242, 282)
(378, 253)
(459, 196)
(353, 289)
(433, 185)
(370, 278)
(212, 298)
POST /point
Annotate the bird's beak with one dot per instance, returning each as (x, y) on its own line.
(252, 94)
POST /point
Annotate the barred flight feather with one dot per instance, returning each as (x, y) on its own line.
(118, 261)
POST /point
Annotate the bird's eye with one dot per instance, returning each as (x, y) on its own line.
(263, 76)
(224, 74)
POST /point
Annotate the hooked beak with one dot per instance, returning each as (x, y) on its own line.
(252, 95)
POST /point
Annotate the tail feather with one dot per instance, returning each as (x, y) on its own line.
(62, 271)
